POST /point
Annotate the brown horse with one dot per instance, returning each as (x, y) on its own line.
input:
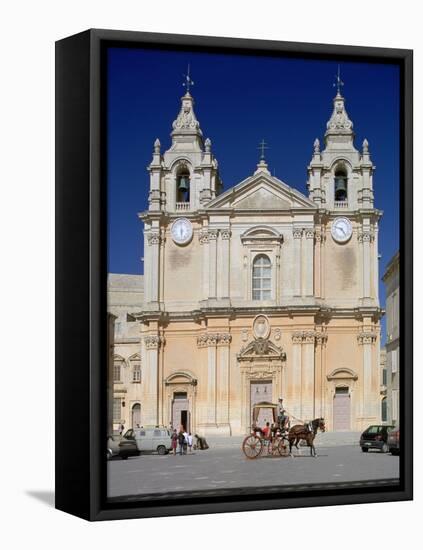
(298, 432)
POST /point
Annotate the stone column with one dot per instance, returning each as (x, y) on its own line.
(211, 379)
(212, 234)
(223, 383)
(150, 380)
(224, 265)
(297, 235)
(307, 376)
(317, 264)
(367, 339)
(319, 381)
(153, 239)
(308, 263)
(294, 402)
(365, 237)
(204, 241)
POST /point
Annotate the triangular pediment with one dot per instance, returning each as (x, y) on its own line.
(261, 192)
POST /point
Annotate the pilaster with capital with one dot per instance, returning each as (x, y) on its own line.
(367, 339)
(212, 237)
(223, 268)
(152, 344)
(365, 238)
(203, 237)
(153, 256)
(308, 263)
(297, 234)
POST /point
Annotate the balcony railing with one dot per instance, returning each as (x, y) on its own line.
(341, 204)
(182, 206)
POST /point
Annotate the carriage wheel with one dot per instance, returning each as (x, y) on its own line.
(274, 447)
(283, 448)
(252, 446)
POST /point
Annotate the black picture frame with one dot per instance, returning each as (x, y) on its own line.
(81, 277)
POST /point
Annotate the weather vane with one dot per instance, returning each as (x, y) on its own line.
(262, 146)
(338, 82)
(188, 82)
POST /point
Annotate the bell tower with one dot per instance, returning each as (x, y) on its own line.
(340, 178)
(186, 176)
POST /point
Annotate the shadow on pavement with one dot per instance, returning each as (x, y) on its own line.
(46, 497)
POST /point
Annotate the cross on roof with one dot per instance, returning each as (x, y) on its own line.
(262, 146)
(188, 81)
(338, 83)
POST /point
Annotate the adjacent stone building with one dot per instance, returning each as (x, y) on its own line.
(253, 293)
(391, 280)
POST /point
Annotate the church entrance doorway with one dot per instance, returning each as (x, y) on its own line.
(181, 411)
(261, 391)
(341, 409)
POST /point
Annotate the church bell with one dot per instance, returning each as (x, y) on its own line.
(340, 185)
(183, 184)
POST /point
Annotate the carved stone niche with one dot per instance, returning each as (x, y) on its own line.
(261, 327)
(261, 349)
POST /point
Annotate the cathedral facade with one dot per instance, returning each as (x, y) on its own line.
(253, 293)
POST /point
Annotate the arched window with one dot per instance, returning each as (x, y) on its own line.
(262, 278)
(341, 185)
(182, 185)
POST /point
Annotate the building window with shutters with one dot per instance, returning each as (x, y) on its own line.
(117, 409)
(262, 278)
(394, 405)
(136, 373)
(116, 372)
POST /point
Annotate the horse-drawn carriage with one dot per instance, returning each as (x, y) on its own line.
(279, 439)
(273, 442)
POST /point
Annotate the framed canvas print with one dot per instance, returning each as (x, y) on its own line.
(234, 276)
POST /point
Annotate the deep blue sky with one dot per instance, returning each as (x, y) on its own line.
(240, 100)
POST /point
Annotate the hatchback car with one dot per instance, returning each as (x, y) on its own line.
(150, 439)
(394, 441)
(375, 437)
(122, 448)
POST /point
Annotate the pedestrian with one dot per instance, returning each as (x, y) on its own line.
(181, 440)
(174, 439)
(121, 428)
(190, 442)
(185, 442)
(266, 430)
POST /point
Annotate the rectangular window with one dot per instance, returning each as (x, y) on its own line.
(116, 372)
(384, 377)
(117, 409)
(136, 373)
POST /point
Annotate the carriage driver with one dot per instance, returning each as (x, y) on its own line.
(282, 416)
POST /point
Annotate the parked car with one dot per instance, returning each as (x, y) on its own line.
(150, 439)
(375, 437)
(120, 447)
(394, 441)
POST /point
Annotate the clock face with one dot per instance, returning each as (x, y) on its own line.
(181, 231)
(341, 230)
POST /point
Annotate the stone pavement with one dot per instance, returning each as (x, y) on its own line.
(224, 466)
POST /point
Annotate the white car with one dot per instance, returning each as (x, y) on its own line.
(150, 439)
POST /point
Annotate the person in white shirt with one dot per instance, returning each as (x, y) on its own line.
(190, 441)
(185, 442)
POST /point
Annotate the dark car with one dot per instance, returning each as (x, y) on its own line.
(121, 448)
(394, 441)
(375, 437)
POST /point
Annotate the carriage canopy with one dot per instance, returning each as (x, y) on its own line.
(265, 405)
